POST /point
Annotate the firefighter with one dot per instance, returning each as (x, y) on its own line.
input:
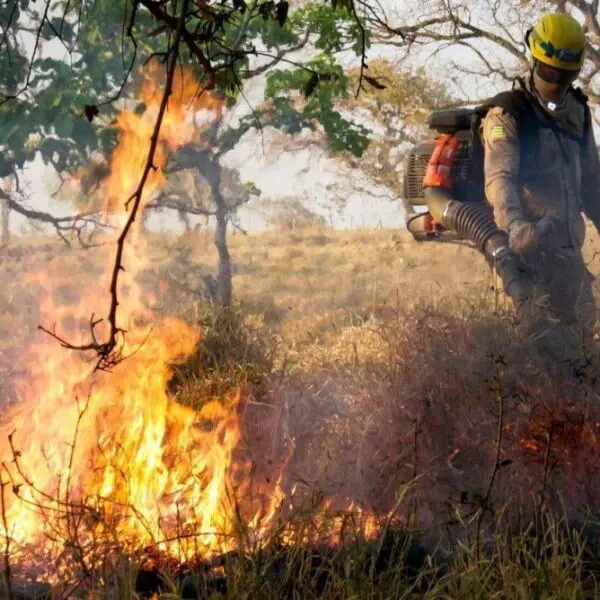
(538, 189)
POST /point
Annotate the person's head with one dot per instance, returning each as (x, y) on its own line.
(557, 45)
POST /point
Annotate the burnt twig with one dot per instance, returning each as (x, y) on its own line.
(110, 352)
(498, 390)
(7, 571)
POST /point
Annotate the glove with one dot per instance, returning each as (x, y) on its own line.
(525, 236)
(516, 277)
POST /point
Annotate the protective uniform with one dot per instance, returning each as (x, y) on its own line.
(537, 193)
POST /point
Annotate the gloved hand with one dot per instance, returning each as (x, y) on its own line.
(525, 235)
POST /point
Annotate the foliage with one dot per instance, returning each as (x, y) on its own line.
(398, 102)
(320, 86)
(61, 103)
(411, 94)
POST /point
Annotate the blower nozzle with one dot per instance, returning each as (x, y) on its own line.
(475, 223)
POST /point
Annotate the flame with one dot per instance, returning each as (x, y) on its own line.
(96, 461)
(92, 457)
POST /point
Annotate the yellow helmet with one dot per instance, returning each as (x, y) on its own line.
(557, 40)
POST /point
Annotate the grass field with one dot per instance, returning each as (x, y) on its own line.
(384, 373)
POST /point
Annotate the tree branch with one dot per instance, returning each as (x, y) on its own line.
(35, 49)
(185, 35)
(110, 352)
(62, 225)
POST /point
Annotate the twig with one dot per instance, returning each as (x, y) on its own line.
(363, 48)
(117, 95)
(542, 496)
(63, 225)
(7, 571)
(183, 33)
(499, 392)
(110, 352)
(415, 474)
(35, 49)
(72, 527)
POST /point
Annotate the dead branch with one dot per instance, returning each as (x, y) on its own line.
(499, 392)
(7, 571)
(72, 224)
(110, 352)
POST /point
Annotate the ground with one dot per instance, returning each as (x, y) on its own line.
(380, 370)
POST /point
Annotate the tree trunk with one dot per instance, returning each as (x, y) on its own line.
(5, 213)
(224, 286)
(212, 171)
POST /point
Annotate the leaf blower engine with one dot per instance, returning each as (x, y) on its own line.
(445, 175)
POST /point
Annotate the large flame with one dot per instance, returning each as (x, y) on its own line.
(92, 461)
(99, 457)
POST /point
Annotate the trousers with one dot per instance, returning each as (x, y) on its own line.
(560, 317)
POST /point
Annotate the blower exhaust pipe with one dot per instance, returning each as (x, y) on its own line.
(475, 223)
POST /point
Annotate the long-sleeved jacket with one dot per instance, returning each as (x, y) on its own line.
(560, 181)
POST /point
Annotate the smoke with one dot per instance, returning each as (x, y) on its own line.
(413, 421)
(399, 414)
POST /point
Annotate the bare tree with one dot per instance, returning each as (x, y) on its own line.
(489, 35)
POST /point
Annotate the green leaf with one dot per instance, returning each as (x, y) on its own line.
(5, 167)
(64, 126)
(5, 136)
(264, 9)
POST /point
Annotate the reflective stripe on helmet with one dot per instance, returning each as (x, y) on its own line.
(564, 54)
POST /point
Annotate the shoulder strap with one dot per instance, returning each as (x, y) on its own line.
(582, 98)
(516, 103)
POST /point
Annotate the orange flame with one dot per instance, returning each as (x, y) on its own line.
(98, 456)
(103, 460)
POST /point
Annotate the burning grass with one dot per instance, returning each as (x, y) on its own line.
(368, 456)
(367, 422)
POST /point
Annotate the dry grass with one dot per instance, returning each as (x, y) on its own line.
(381, 368)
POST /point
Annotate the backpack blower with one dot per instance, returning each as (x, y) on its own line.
(446, 176)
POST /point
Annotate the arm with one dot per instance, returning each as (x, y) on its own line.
(502, 189)
(501, 167)
(590, 180)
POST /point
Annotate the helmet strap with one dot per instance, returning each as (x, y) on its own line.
(537, 85)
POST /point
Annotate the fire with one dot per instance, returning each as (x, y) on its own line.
(96, 462)
(95, 459)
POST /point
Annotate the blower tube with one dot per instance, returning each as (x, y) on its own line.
(475, 223)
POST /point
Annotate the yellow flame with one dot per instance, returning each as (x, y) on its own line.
(100, 459)
(101, 455)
